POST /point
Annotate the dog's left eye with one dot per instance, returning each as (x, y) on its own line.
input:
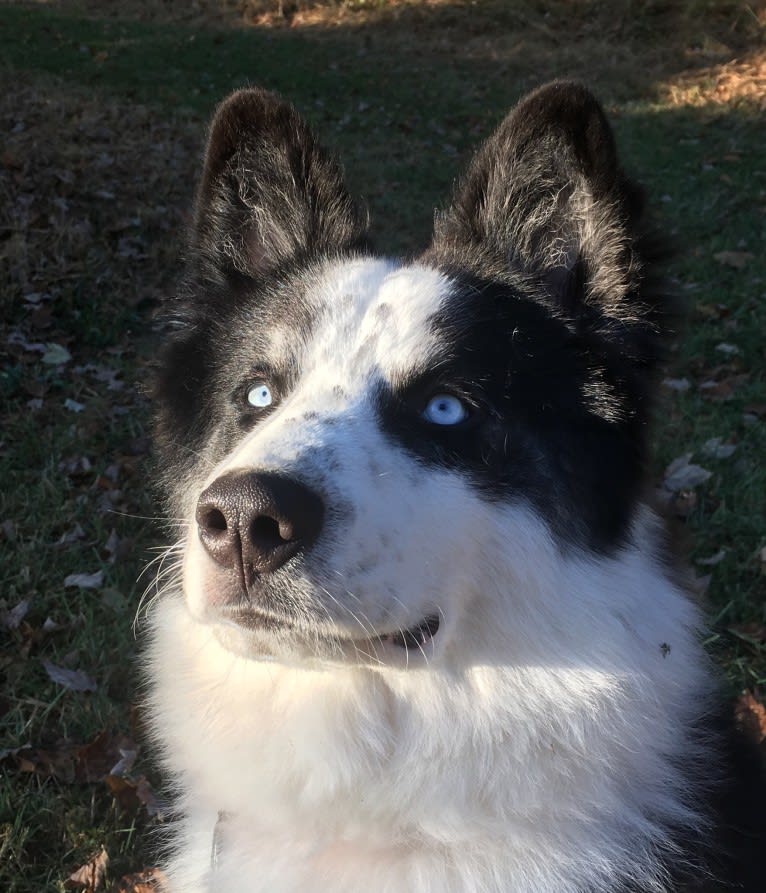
(260, 395)
(444, 409)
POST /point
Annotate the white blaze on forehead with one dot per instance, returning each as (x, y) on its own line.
(372, 323)
(374, 319)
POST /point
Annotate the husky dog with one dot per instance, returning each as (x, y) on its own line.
(427, 637)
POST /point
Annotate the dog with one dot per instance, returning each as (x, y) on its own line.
(426, 634)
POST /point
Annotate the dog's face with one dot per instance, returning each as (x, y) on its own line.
(372, 458)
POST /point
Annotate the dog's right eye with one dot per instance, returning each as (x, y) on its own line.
(260, 395)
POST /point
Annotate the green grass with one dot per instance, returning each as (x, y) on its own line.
(402, 106)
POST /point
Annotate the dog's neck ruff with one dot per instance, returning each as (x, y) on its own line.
(511, 759)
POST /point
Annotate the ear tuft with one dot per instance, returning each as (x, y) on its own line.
(269, 194)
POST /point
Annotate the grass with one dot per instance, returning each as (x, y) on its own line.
(105, 118)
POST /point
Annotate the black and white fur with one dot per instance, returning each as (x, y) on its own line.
(478, 671)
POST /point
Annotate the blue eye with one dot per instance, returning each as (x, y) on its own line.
(260, 396)
(444, 409)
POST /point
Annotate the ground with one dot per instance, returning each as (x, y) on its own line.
(103, 108)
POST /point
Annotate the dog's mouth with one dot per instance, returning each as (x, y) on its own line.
(414, 638)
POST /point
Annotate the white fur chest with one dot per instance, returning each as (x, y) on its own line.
(544, 776)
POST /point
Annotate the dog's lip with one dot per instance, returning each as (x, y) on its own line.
(413, 637)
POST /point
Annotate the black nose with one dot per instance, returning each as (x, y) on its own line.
(257, 522)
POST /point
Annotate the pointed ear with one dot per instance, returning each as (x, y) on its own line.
(269, 193)
(545, 197)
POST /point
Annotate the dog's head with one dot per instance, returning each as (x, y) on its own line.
(376, 460)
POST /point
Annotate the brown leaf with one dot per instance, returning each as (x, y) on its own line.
(132, 793)
(723, 389)
(57, 761)
(154, 806)
(150, 880)
(712, 311)
(737, 259)
(106, 754)
(124, 792)
(751, 716)
(91, 875)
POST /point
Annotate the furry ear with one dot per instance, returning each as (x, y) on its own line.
(544, 197)
(269, 193)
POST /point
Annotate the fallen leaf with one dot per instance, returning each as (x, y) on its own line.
(737, 259)
(676, 384)
(728, 349)
(712, 311)
(57, 761)
(723, 389)
(75, 466)
(683, 475)
(74, 680)
(71, 536)
(12, 618)
(713, 559)
(154, 806)
(56, 355)
(124, 792)
(150, 880)
(717, 450)
(73, 405)
(84, 581)
(106, 754)
(751, 715)
(91, 875)
(132, 793)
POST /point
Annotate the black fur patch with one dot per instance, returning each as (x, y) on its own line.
(557, 419)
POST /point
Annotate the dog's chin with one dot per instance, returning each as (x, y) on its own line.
(259, 635)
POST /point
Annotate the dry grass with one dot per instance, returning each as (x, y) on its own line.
(741, 80)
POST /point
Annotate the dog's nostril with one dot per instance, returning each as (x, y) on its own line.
(213, 520)
(267, 531)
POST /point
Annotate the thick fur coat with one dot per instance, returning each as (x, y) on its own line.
(422, 634)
